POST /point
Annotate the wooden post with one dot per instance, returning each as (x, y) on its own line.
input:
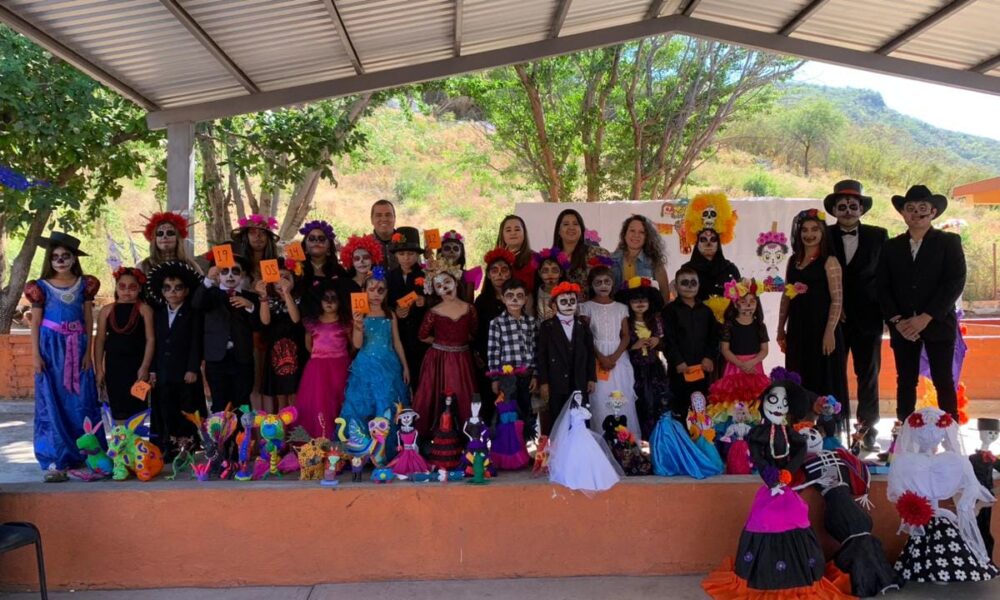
(180, 171)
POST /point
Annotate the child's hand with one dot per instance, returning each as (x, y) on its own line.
(681, 368)
(495, 386)
(543, 391)
(190, 377)
(260, 287)
(99, 375)
(707, 365)
(142, 374)
(213, 274)
(402, 312)
(747, 368)
(39, 364)
(406, 375)
(284, 288)
(652, 342)
(781, 340)
(359, 320)
(639, 345)
(532, 385)
(88, 363)
(240, 302)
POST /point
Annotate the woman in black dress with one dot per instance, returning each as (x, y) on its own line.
(713, 269)
(813, 343)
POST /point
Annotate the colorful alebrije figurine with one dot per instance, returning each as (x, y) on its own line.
(130, 451)
(245, 445)
(312, 459)
(368, 446)
(272, 434)
(215, 430)
(382, 475)
(99, 466)
(827, 408)
(184, 459)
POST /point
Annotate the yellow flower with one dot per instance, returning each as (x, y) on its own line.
(507, 369)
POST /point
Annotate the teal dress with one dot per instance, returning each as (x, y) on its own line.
(375, 383)
(65, 394)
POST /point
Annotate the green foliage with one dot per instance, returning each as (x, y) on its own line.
(813, 124)
(760, 183)
(59, 126)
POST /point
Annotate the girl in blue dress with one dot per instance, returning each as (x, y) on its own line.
(61, 322)
(379, 374)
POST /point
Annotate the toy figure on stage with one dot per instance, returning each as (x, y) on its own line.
(565, 354)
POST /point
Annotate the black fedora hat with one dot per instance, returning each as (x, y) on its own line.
(847, 187)
(58, 239)
(920, 193)
(405, 238)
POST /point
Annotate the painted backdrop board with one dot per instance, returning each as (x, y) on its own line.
(756, 215)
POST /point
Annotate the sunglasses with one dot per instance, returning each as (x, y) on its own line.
(319, 239)
(167, 288)
(166, 233)
(688, 283)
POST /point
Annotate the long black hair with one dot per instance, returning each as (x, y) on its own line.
(799, 248)
(48, 272)
(578, 260)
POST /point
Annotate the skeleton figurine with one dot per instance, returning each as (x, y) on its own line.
(984, 463)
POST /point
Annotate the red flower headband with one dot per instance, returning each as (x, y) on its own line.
(916, 420)
(357, 242)
(139, 275)
(565, 287)
(178, 221)
(499, 254)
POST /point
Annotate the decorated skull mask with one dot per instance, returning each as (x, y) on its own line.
(775, 405)
(708, 217)
(814, 440)
(698, 402)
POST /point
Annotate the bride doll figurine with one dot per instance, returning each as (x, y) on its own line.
(578, 457)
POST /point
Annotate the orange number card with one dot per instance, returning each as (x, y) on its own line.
(694, 373)
(224, 256)
(295, 252)
(140, 389)
(432, 239)
(359, 303)
(269, 271)
(602, 373)
(407, 300)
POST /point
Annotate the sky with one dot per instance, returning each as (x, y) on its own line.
(939, 105)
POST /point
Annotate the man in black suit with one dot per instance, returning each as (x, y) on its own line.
(564, 355)
(858, 248)
(921, 275)
(176, 370)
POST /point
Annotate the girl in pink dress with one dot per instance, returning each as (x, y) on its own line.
(321, 391)
(448, 327)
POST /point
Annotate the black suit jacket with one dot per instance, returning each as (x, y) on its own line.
(565, 366)
(930, 284)
(223, 323)
(861, 305)
(178, 347)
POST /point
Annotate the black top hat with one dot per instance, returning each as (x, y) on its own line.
(987, 424)
(405, 238)
(58, 239)
(847, 187)
(920, 193)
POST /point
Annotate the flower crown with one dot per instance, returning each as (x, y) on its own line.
(499, 254)
(916, 420)
(772, 237)
(600, 261)
(318, 224)
(177, 220)
(801, 426)
(139, 275)
(357, 242)
(554, 254)
(734, 290)
(783, 374)
(592, 238)
(438, 267)
(811, 213)
(453, 236)
(637, 282)
(823, 401)
(566, 287)
(259, 222)
(397, 238)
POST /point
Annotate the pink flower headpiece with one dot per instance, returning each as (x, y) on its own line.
(453, 236)
(592, 238)
(772, 237)
(259, 222)
(734, 290)
(553, 254)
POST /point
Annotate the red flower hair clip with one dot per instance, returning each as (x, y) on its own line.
(565, 287)
(916, 420)
(140, 277)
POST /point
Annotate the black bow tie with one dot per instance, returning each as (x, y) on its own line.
(851, 232)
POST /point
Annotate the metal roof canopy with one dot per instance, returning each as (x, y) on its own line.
(194, 60)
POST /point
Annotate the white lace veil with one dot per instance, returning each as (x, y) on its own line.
(561, 427)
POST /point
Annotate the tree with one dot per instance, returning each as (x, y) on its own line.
(286, 150)
(813, 124)
(63, 128)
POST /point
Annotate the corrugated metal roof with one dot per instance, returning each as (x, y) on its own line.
(173, 54)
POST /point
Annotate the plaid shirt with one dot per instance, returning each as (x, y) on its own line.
(512, 342)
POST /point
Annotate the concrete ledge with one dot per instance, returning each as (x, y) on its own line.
(188, 534)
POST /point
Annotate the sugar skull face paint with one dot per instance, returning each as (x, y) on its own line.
(566, 304)
(776, 405)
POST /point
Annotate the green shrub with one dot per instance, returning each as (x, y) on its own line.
(760, 183)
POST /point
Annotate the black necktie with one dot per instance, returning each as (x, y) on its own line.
(851, 232)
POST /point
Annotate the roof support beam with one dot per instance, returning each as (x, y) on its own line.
(345, 39)
(655, 8)
(926, 23)
(72, 57)
(559, 18)
(689, 8)
(802, 16)
(987, 65)
(459, 9)
(771, 42)
(206, 40)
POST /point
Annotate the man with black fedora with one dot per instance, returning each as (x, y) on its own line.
(921, 274)
(858, 247)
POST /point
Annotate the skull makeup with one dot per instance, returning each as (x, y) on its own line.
(451, 251)
(362, 261)
(62, 259)
(708, 217)
(514, 299)
(566, 304)
(603, 285)
(814, 440)
(444, 285)
(406, 419)
(231, 278)
(747, 305)
(698, 402)
(776, 405)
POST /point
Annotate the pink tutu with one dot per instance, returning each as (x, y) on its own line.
(736, 385)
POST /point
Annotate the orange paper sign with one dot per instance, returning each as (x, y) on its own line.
(359, 303)
(407, 300)
(665, 228)
(432, 239)
(224, 256)
(602, 373)
(141, 390)
(269, 271)
(694, 373)
(295, 252)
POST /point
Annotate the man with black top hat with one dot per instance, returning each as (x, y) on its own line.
(857, 247)
(921, 274)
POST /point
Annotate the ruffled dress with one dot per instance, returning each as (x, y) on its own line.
(673, 453)
(321, 391)
(408, 461)
(447, 366)
(577, 460)
(446, 447)
(508, 452)
(735, 385)
(738, 451)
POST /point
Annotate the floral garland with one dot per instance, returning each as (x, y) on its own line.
(772, 237)
(566, 287)
(320, 224)
(600, 261)
(497, 255)
(259, 222)
(177, 220)
(358, 242)
(734, 290)
(121, 271)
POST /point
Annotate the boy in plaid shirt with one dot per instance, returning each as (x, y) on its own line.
(511, 341)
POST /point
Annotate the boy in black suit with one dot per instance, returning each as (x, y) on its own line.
(176, 370)
(564, 360)
(230, 317)
(858, 247)
(921, 275)
(691, 339)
